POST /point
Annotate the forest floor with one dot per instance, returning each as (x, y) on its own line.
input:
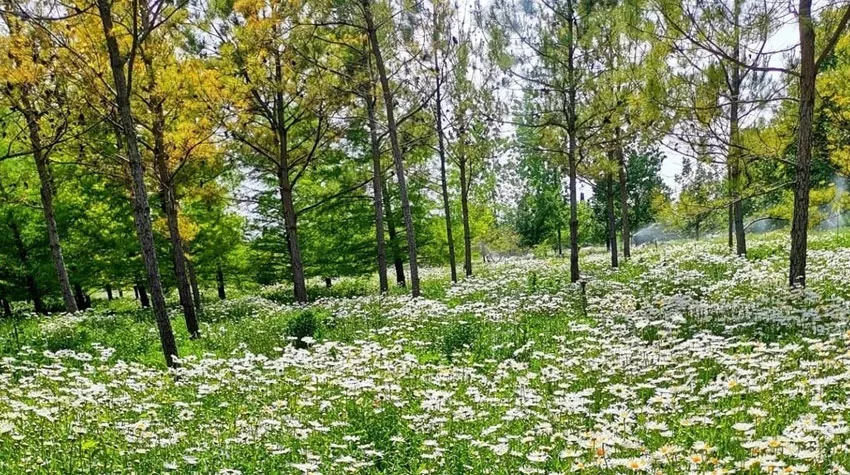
(685, 360)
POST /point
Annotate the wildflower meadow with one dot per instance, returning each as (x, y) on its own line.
(686, 359)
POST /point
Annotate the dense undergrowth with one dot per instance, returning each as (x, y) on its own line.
(686, 359)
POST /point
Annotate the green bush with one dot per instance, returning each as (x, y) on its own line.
(304, 324)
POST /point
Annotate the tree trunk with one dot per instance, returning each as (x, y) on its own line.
(730, 218)
(444, 182)
(184, 288)
(377, 188)
(808, 75)
(143, 296)
(290, 223)
(109, 292)
(624, 199)
(572, 129)
(612, 222)
(734, 153)
(219, 278)
(141, 207)
(328, 282)
(79, 296)
(193, 280)
(169, 204)
(285, 186)
(398, 262)
(397, 156)
(574, 272)
(23, 255)
(136, 292)
(7, 307)
(464, 211)
(46, 181)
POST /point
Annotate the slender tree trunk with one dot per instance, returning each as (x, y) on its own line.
(398, 262)
(560, 244)
(397, 156)
(572, 130)
(290, 223)
(328, 282)
(574, 271)
(624, 199)
(377, 198)
(444, 181)
(612, 222)
(465, 182)
(219, 278)
(46, 180)
(141, 207)
(7, 307)
(184, 288)
(730, 218)
(109, 292)
(79, 296)
(285, 185)
(169, 205)
(193, 280)
(808, 76)
(143, 296)
(120, 293)
(734, 153)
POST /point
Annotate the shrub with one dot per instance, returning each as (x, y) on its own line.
(305, 324)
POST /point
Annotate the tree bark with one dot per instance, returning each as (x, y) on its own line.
(377, 188)
(612, 222)
(143, 296)
(730, 218)
(396, 149)
(398, 262)
(7, 307)
(219, 278)
(290, 223)
(808, 76)
(46, 181)
(169, 205)
(79, 296)
(572, 130)
(444, 182)
(624, 199)
(464, 211)
(285, 187)
(109, 292)
(141, 207)
(734, 153)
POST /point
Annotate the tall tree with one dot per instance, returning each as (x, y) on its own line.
(283, 107)
(146, 17)
(809, 65)
(35, 89)
(392, 126)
